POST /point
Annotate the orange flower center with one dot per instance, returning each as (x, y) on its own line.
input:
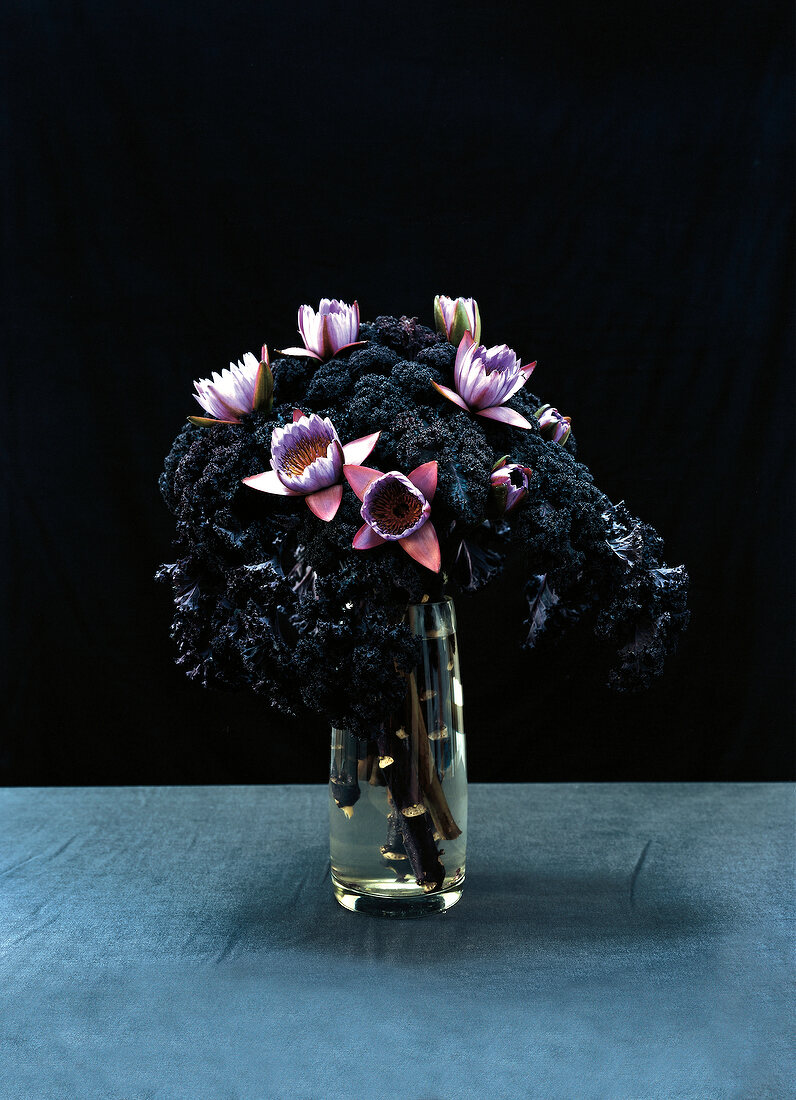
(302, 454)
(394, 509)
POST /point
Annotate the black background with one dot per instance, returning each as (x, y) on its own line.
(612, 182)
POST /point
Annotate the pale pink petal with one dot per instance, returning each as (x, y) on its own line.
(366, 538)
(505, 415)
(353, 344)
(268, 482)
(325, 502)
(298, 351)
(310, 329)
(464, 357)
(358, 450)
(424, 478)
(423, 546)
(213, 403)
(360, 477)
(451, 395)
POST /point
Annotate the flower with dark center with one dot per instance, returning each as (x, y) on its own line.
(242, 389)
(509, 485)
(396, 508)
(552, 424)
(486, 378)
(455, 316)
(307, 460)
(335, 326)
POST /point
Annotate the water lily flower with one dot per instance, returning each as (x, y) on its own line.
(552, 424)
(455, 316)
(242, 389)
(396, 508)
(509, 484)
(485, 378)
(307, 461)
(335, 326)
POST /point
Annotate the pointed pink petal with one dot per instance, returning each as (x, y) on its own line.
(353, 344)
(366, 538)
(505, 415)
(298, 351)
(528, 369)
(325, 502)
(424, 478)
(268, 482)
(451, 395)
(423, 546)
(297, 415)
(359, 477)
(358, 450)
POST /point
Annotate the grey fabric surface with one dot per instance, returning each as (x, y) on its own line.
(615, 941)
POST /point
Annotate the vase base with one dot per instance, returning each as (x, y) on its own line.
(403, 907)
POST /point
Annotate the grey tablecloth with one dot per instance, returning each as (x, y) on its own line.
(615, 941)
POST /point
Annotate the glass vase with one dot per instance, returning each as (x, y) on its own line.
(398, 802)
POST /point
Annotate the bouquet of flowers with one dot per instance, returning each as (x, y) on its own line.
(330, 487)
(381, 464)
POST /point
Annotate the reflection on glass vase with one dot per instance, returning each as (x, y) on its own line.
(398, 802)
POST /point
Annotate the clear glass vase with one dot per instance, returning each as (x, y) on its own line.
(398, 802)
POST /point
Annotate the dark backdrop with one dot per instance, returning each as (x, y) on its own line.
(612, 182)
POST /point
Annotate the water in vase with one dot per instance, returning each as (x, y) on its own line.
(398, 802)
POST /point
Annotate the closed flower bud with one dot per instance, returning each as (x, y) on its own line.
(509, 486)
(552, 424)
(455, 316)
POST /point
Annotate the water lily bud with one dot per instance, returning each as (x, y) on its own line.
(455, 316)
(264, 384)
(509, 486)
(552, 424)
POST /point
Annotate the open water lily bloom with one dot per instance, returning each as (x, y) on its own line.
(233, 393)
(485, 379)
(307, 460)
(396, 508)
(335, 326)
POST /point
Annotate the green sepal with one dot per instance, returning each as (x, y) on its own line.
(497, 500)
(439, 317)
(477, 333)
(204, 421)
(500, 462)
(541, 410)
(264, 389)
(461, 323)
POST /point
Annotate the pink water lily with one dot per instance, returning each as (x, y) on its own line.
(509, 484)
(335, 326)
(307, 461)
(552, 424)
(396, 508)
(485, 378)
(244, 388)
(455, 316)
